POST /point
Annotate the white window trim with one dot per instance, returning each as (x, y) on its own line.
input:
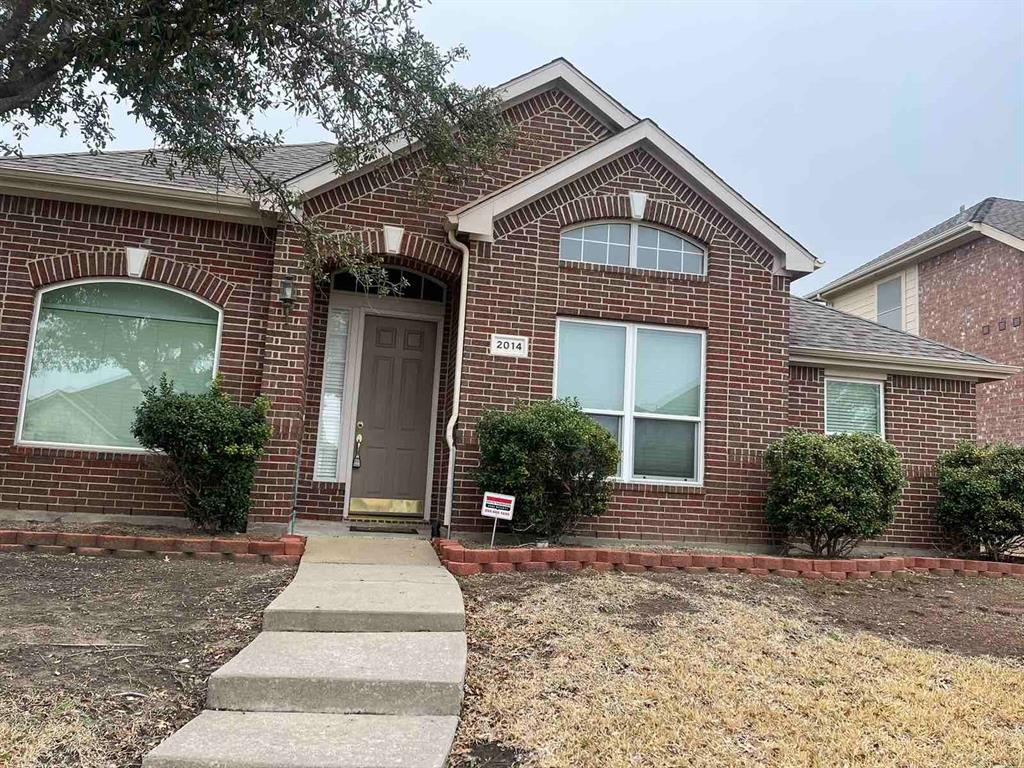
(901, 309)
(625, 474)
(852, 380)
(26, 374)
(634, 237)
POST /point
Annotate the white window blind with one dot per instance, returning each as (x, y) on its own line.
(328, 438)
(853, 406)
(643, 385)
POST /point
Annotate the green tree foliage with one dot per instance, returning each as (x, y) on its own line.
(981, 498)
(828, 493)
(202, 74)
(211, 445)
(553, 458)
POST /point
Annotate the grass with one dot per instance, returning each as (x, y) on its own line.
(614, 671)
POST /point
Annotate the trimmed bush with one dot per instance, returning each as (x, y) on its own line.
(211, 444)
(553, 458)
(981, 498)
(828, 493)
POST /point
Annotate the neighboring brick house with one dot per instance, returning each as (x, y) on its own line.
(962, 283)
(601, 260)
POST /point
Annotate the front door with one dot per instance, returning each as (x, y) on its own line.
(395, 394)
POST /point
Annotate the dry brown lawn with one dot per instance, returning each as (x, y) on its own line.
(101, 658)
(618, 671)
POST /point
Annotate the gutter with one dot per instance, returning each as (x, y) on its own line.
(460, 337)
(226, 206)
(921, 366)
(943, 240)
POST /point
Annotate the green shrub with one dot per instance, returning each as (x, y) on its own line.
(553, 458)
(828, 493)
(212, 445)
(981, 498)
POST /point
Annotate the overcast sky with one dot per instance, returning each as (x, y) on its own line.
(854, 125)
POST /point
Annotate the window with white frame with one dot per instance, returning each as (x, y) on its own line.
(97, 345)
(645, 385)
(889, 303)
(629, 244)
(854, 406)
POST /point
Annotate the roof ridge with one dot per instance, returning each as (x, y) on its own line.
(980, 210)
(884, 328)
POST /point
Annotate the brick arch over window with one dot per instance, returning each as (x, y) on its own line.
(711, 220)
(669, 215)
(416, 252)
(111, 262)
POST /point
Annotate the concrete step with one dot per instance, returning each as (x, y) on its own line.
(368, 598)
(293, 740)
(384, 673)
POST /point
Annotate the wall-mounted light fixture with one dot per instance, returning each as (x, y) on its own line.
(287, 294)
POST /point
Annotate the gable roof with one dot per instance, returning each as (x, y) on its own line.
(823, 335)
(559, 73)
(477, 219)
(995, 217)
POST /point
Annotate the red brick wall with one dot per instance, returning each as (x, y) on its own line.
(518, 286)
(972, 297)
(924, 418)
(550, 127)
(44, 242)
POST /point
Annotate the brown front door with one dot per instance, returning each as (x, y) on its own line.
(396, 390)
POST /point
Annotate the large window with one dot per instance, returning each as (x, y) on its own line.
(98, 345)
(628, 244)
(645, 386)
(854, 406)
(889, 303)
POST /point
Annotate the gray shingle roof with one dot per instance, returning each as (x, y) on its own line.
(1000, 213)
(815, 326)
(283, 162)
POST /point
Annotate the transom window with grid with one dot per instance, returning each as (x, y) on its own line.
(629, 244)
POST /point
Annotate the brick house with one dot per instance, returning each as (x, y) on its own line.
(961, 283)
(600, 259)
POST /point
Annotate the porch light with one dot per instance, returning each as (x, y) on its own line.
(287, 294)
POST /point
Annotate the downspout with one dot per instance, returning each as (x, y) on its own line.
(449, 432)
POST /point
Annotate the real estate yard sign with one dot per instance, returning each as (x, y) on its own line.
(499, 506)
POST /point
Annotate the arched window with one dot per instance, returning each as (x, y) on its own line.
(414, 285)
(96, 345)
(628, 244)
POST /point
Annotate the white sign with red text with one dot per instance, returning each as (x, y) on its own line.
(498, 505)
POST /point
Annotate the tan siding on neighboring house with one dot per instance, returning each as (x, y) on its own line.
(860, 301)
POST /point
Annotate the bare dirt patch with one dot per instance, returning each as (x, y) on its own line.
(100, 659)
(621, 671)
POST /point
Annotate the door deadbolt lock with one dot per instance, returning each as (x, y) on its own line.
(356, 460)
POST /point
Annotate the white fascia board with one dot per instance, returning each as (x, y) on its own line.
(596, 101)
(1003, 237)
(477, 219)
(920, 366)
(116, 193)
(918, 252)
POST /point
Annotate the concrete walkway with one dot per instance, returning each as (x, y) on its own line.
(360, 665)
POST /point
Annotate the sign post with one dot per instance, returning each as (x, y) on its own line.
(498, 506)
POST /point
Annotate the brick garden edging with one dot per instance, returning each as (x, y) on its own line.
(467, 562)
(284, 551)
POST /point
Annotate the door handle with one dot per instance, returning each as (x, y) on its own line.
(356, 460)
